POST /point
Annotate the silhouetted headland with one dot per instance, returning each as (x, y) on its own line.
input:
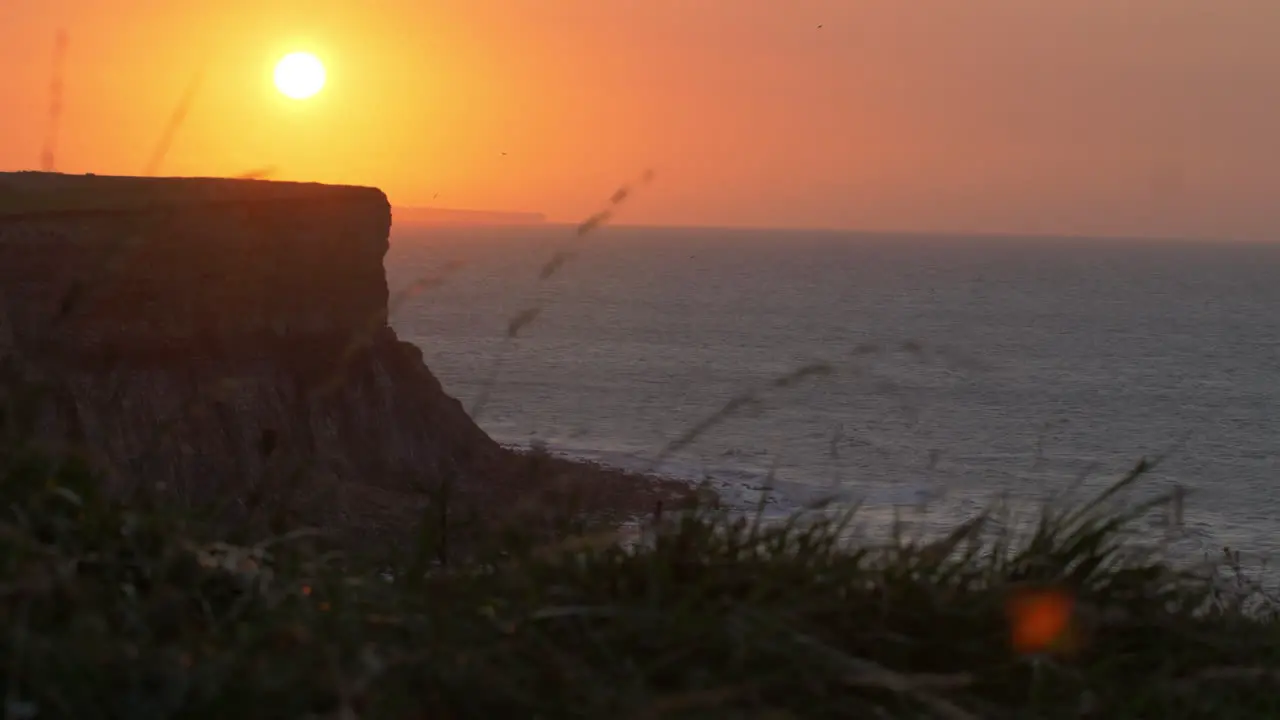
(451, 217)
(211, 335)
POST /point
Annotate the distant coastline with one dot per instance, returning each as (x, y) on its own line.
(451, 217)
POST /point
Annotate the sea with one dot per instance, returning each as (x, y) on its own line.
(924, 378)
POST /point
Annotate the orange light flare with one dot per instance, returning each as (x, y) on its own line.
(1043, 621)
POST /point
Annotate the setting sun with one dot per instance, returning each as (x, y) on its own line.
(299, 75)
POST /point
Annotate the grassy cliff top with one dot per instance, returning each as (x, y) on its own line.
(40, 193)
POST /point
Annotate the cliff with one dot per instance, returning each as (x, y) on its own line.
(207, 334)
(449, 217)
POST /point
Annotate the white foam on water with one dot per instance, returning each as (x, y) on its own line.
(741, 488)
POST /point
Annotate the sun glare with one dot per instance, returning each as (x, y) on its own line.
(299, 75)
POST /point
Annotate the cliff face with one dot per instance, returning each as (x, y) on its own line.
(207, 333)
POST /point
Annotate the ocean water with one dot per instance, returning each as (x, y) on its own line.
(963, 371)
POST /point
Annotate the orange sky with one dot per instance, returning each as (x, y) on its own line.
(1144, 117)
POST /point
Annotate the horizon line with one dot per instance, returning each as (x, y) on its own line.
(893, 232)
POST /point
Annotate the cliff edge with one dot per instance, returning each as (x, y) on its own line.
(205, 334)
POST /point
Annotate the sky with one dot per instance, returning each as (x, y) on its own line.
(1095, 117)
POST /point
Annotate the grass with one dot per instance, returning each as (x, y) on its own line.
(134, 609)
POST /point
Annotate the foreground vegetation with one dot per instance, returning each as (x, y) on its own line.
(133, 610)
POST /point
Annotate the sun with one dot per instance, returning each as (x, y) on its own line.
(299, 75)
